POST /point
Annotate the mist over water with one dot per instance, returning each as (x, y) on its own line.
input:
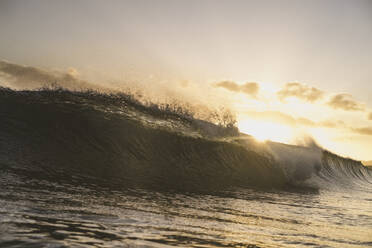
(83, 168)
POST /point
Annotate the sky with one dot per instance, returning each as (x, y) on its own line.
(287, 68)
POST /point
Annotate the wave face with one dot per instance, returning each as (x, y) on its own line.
(88, 137)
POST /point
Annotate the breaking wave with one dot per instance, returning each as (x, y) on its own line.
(90, 137)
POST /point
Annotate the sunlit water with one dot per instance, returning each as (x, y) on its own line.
(40, 213)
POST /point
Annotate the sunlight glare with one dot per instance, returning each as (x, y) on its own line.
(263, 130)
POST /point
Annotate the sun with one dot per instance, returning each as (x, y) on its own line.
(263, 130)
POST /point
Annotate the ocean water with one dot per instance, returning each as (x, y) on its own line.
(82, 169)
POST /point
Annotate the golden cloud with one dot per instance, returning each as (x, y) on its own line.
(363, 130)
(301, 91)
(279, 117)
(345, 102)
(286, 119)
(249, 88)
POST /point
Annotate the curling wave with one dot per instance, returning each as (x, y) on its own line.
(91, 137)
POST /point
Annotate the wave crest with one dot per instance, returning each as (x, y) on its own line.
(117, 139)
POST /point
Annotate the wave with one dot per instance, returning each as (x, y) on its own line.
(90, 137)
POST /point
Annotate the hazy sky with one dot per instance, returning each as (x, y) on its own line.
(322, 44)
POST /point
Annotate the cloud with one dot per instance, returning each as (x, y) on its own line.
(249, 88)
(305, 122)
(363, 130)
(286, 119)
(23, 76)
(345, 102)
(310, 94)
(279, 117)
(332, 124)
(28, 77)
(301, 91)
(229, 85)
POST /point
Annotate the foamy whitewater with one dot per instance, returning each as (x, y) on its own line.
(84, 169)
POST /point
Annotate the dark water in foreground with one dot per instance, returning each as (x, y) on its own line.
(41, 213)
(83, 169)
